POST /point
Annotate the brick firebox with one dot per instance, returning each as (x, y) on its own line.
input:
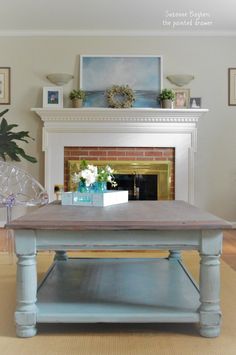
(121, 154)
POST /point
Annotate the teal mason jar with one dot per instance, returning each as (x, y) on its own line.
(82, 187)
(100, 186)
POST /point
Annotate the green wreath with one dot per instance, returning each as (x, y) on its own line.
(120, 96)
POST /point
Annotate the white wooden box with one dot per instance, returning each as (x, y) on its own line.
(107, 198)
(67, 198)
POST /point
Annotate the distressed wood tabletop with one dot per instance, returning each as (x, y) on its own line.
(156, 215)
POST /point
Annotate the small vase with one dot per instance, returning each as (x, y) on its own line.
(100, 186)
(82, 187)
(77, 103)
(166, 103)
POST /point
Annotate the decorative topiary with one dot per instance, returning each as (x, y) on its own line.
(77, 97)
(167, 94)
(77, 94)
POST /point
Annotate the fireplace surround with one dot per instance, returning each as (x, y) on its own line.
(141, 127)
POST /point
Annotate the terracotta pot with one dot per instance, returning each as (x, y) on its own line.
(166, 104)
(76, 103)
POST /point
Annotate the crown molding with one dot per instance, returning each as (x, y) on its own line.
(113, 33)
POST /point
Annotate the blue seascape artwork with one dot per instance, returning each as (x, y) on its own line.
(143, 74)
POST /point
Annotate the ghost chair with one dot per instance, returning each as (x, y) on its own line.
(17, 187)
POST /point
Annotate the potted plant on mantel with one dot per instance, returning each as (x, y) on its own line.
(77, 97)
(8, 147)
(166, 98)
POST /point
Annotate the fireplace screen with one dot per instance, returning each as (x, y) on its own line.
(140, 186)
(145, 180)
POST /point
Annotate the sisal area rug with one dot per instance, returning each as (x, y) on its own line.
(127, 339)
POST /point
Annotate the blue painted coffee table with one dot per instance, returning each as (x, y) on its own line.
(118, 290)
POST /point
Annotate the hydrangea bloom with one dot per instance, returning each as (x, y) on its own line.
(89, 174)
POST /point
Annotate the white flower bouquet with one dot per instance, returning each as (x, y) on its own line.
(90, 174)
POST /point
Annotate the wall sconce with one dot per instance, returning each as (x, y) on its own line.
(59, 79)
(181, 79)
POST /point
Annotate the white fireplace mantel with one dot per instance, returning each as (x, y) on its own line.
(140, 127)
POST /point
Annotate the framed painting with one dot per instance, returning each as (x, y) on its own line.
(232, 86)
(195, 102)
(53, 97)
(143, 74)
(182, 97)
(5, 86)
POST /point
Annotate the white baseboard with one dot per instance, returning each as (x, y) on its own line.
(2, 224)
(233, 224)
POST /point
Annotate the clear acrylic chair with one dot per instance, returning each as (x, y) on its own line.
(17, 187)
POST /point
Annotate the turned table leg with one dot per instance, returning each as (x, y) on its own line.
(60, 255)
(26, 287)
(26, 310)
(210, 313)
(174, 254)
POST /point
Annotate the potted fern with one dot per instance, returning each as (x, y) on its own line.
(77, 97)
(166, 98)
(8, 147)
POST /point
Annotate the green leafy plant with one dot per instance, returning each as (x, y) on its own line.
(8, 146)
(167, 94)
(77, 94)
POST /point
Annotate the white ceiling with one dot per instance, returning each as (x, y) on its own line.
(116, 17)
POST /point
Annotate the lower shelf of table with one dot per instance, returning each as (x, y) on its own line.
(117, 290)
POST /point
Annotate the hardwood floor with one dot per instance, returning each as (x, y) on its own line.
(3, 243)
(229, 248)
(228, 255)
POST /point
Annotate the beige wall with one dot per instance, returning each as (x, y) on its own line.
(31, 59)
